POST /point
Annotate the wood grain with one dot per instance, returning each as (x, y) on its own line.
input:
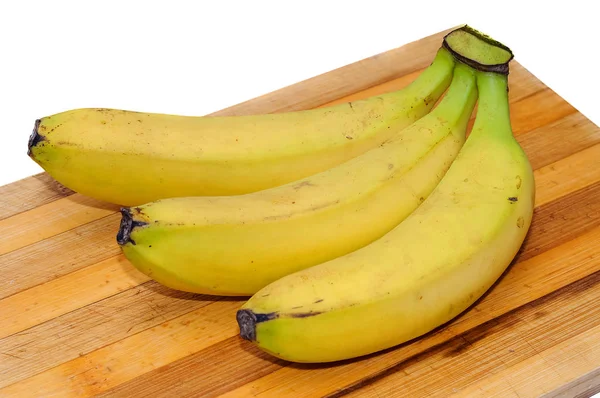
(29, 193)
(90, 327)
(559, 139)
(70, 292)
(59, 255)
(77, 320)
(51, 219)
(576, 171)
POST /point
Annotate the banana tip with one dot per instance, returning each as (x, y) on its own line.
(247, 321)
(35, 137)
(126, 227)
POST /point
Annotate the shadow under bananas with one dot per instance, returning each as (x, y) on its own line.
(181, 295)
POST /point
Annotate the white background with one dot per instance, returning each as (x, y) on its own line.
(194, 59)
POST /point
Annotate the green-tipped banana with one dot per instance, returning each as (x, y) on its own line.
(132, 158)
(424, 272)
(235, 245)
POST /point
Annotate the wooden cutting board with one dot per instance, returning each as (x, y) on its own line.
(76, 319)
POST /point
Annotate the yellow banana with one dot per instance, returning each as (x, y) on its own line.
(421, 274)
(235, 245)
(131, 158)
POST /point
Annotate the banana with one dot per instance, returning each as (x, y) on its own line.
(132, 158)
(421, 274)
(235, 245)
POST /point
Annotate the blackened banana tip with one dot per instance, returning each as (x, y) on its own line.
(247, 321)
(127, 226)
(35, 137)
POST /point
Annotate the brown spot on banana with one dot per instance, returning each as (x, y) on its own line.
(303, 184)
(305, 314)
(428, 100)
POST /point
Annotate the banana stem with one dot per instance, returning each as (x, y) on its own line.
(434, 80)
(457, 105)
(493, 108)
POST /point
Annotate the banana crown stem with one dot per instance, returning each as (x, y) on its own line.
(493, 114)
(458, 102)
(478, 50)
(433, 81)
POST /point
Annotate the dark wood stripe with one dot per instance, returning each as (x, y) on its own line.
(59, 255)
(206, 375)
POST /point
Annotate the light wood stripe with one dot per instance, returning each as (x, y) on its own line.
(29, 193)
(59, 255)
(51, 219)
(77, 289)
(559, 139)
(568, 174)
(533, 111)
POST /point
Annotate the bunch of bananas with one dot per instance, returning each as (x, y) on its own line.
(354, 227)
